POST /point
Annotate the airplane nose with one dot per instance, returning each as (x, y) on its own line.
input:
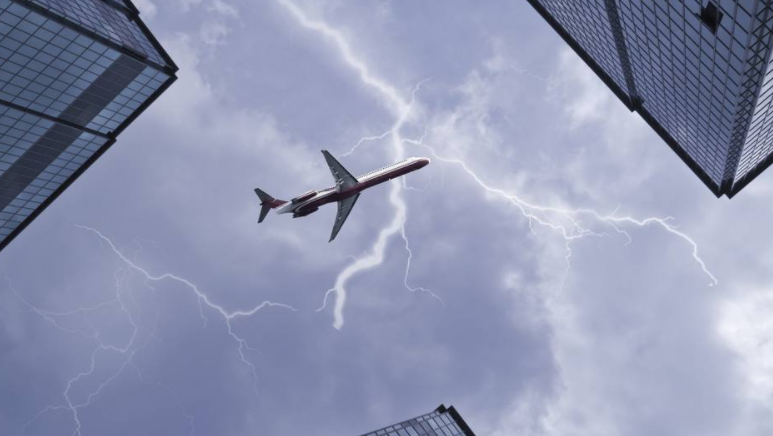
(424, 162)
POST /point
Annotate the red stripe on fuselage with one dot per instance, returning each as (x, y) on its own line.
(330, 195)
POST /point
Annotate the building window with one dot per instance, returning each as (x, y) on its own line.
(711, 16)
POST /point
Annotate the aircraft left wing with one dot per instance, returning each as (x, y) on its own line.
(344, 179)
(344, 207)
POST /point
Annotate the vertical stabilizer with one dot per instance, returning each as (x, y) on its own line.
(267, 203)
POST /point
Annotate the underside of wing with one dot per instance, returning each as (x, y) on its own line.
(344, 179)
(344, 207)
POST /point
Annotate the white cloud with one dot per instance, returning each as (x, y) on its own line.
(746, 324)
(208, 128)
(632, 332)
(217, 18)
(626, 354)
(588, 99)
(220, 7)
(214, 33)
(147, 8)
(187, 5)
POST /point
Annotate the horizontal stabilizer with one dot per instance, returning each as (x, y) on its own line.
(263, 212)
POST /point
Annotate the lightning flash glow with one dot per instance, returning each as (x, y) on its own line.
(134, 345)
(571, 224)
(568, 222)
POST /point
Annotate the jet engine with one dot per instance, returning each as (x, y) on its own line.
(304, 197)
(304, 212)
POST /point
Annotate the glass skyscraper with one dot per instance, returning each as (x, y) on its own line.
(698, 72)
(443, 421)
(73, 75)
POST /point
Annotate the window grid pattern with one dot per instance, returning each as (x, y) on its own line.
(101, 18)
(431, 424)
(394, 165)
(756, 60)
(588, 24)
(129, 100)
(60, 82)
(688, 78)
(18, 131)
(758, 141)
(48, 181)
(45, 66)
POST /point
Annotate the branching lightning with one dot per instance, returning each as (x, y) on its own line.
(201, 298)
(134, 345)
(566, 221)
(402, 111)
(572, 224)
(575, 230)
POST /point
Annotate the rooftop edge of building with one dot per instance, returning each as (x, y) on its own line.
(132, 13)
(457, 417)
(171, 70)
(412, 424)
(730, 189)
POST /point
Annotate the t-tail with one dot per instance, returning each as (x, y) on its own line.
(267, 203)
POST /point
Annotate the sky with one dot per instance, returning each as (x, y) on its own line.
(555, 271)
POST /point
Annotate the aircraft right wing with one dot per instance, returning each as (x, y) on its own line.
(344, 179)
(344, 207)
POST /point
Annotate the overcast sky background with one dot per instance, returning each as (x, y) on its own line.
(625, 333)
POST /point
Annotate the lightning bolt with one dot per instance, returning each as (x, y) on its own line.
(134, 345)
(201, 298)
(401, 108)
(566, 221)
(128, 350)
(575, 230)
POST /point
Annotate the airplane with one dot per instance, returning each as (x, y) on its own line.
(346, 190)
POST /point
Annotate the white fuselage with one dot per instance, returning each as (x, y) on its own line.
(365, 181)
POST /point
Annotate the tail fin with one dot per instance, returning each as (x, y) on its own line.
(267, 203)
(263, 212)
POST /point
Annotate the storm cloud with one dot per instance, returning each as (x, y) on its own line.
(564, 307)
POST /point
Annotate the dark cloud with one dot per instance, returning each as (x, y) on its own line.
(623, 338)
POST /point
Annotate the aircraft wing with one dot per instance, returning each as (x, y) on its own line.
(344, 207)
(344, 179)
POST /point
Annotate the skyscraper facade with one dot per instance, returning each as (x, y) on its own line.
(443, 421)
(73, 75)
(699, 72)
